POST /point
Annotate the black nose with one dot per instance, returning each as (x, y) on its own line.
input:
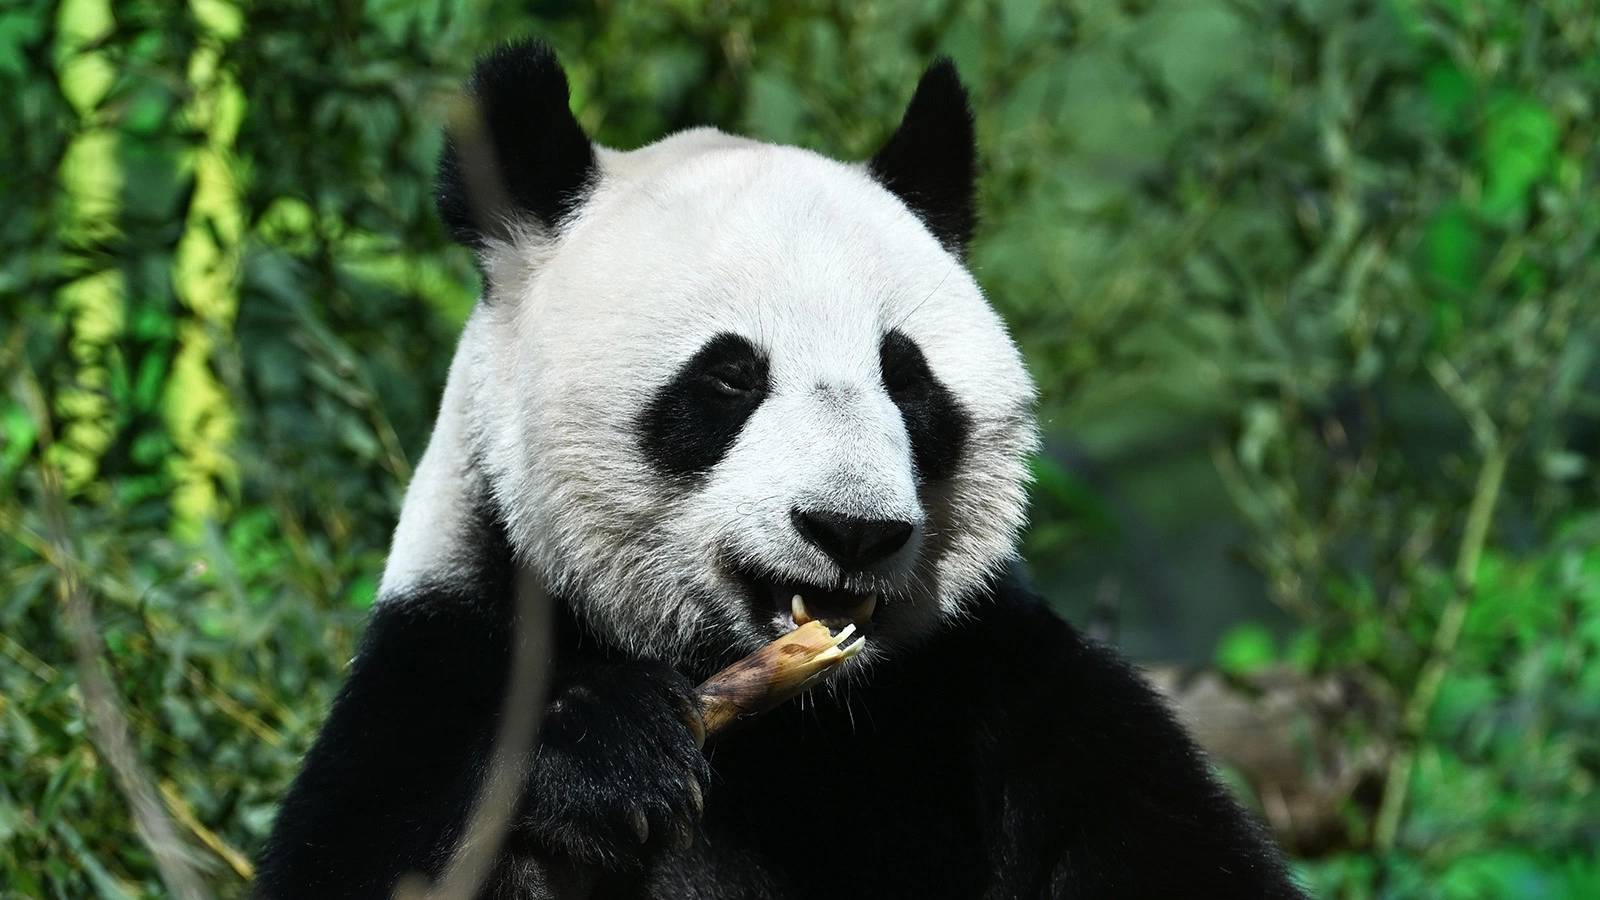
(852, 542)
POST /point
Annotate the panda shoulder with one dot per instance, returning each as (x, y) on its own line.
(1054, 685)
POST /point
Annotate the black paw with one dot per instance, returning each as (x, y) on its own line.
(619, 773)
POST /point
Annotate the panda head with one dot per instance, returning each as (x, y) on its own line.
(713, 375)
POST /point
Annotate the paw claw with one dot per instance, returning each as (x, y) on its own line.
(697, 726)
(695, 795)
(682, 835)
(641, 825)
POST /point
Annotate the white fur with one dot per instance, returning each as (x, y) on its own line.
(813, 261)
(428, 540)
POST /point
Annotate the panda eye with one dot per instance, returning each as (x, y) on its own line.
(734, 380)
(729, 367)
(694, 417)
(936, 423)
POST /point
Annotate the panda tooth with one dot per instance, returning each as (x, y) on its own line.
(866, 609)
(797, 606)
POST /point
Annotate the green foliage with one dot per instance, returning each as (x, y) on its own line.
(1351, 245)
(1411, 407)
(1247, 647)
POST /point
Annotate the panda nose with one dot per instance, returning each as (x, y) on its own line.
(852, 542)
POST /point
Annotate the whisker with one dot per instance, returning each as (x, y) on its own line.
(907, 317)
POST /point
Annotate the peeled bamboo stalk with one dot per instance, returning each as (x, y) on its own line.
(773, 675)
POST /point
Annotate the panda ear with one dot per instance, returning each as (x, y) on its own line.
(519, 155)
(931, 160)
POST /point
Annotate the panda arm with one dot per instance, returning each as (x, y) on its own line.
(386, 786)
(1096, 790)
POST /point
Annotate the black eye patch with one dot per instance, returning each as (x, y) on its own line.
(935, 421)
(693, 419)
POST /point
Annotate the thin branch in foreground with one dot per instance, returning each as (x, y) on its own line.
(478, 848)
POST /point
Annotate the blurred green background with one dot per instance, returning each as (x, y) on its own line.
(1310, 290)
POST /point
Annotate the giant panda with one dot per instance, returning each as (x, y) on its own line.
(713, 386)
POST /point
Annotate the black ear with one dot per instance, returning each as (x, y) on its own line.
(520, 154)
(931, 161)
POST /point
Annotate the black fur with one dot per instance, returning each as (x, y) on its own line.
(936, 423)
(616, 751)
(931, 161)
(1006, 757)
(693, 419)
(543, 161)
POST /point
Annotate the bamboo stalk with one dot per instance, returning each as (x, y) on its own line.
(773, 675)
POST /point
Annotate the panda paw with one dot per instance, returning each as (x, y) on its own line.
(619, 774)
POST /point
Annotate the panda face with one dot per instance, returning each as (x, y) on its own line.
(719, 387)
(745, 374)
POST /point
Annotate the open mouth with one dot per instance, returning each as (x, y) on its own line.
(790, 604)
